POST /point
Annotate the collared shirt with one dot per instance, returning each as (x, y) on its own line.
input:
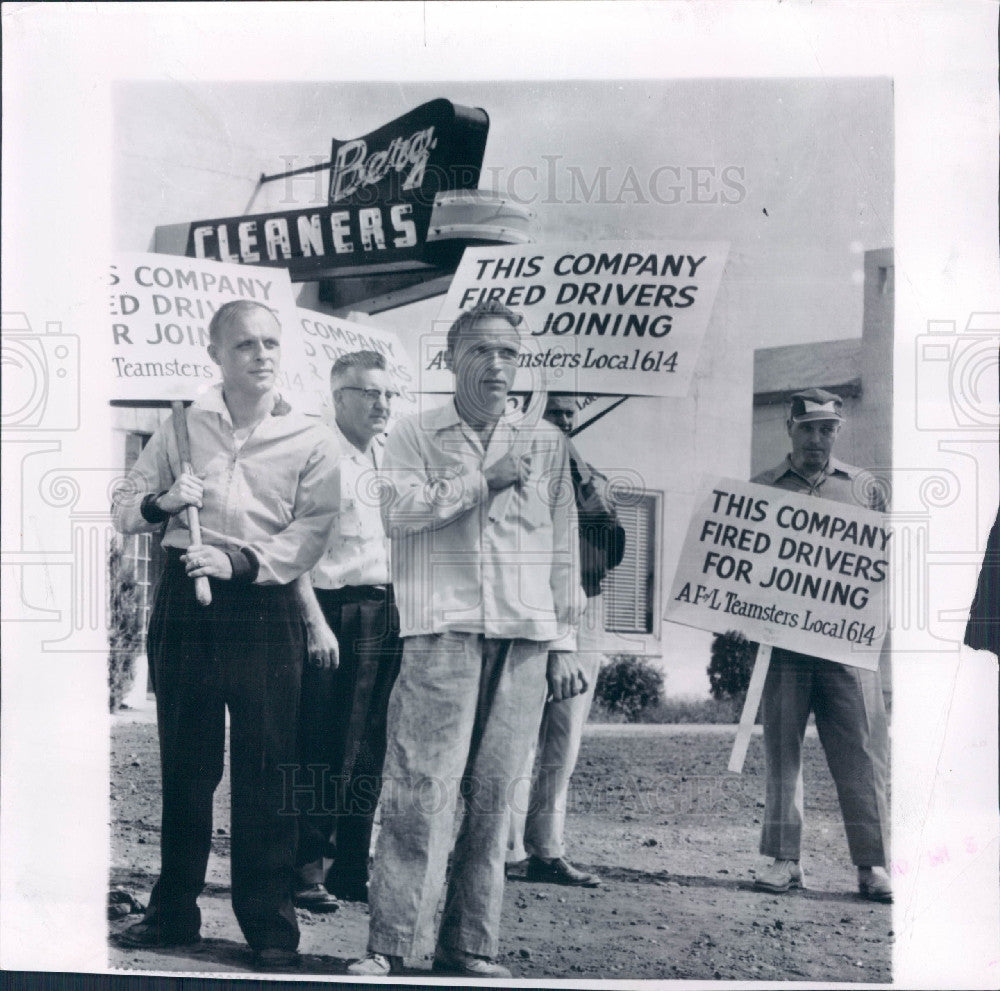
(504, 564)
(274, 494)
(837, 481)
(357, 551)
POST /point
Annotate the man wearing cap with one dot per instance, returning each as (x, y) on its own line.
(847, 701)
(538, 822)
(352, 635)
(264, 478)
(481, 517)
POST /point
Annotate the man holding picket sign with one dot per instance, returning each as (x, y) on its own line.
(846, 700)
(265, 481)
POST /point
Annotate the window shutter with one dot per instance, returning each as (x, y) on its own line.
(628, 589)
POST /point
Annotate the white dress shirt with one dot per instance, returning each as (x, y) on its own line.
(357, 551)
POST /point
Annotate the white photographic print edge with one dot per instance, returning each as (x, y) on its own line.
(65, 66)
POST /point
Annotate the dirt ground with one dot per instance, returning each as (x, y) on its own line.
(653, 811)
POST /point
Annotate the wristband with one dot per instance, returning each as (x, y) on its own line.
(150, 511)
(244, 564)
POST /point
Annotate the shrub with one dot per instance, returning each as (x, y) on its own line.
(685, 709)
(731, 666)
(599, 713)
(627, 685)
(124, 632)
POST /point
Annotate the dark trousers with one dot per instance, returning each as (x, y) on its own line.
(853, 729)
(243, 651)
(342, 736)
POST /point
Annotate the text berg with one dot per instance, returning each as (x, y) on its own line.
(353, 168)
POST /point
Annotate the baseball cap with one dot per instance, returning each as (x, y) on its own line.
(815, 404)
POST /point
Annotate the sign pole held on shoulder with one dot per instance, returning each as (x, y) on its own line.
(202, 590)
(505, 501)
(754, 692)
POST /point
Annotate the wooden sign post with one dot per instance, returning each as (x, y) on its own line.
(505, 500)
(749, 715)
(202, 589)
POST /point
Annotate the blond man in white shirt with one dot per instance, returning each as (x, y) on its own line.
(352, 630)
(483, 526)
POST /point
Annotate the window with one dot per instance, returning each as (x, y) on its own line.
(142, 550)
(630, 589)
(137, 552)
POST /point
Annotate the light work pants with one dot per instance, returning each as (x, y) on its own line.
(463, 714)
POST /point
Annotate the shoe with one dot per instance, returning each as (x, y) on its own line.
(559, 871)
(347, 890)
(780, 876)
(144, 935)
(352, 893)
(874, 884)
(272, 958)
(376, 965)
(515, 868)
(316, 898)
(460, 964)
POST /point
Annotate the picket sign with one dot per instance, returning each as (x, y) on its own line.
(160, 310)
(754, 692)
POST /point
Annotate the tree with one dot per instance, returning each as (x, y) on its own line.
(731, 666)
(627, 684)
(124, 632)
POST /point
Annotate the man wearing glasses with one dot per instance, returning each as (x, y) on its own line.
(483, 527)
(352, 635)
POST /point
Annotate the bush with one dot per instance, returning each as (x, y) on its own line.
(627, 685)
(731, 666)
(599, 713)
(124, 632)
(684, 709)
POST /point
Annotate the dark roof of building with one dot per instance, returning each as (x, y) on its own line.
(832, 365)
